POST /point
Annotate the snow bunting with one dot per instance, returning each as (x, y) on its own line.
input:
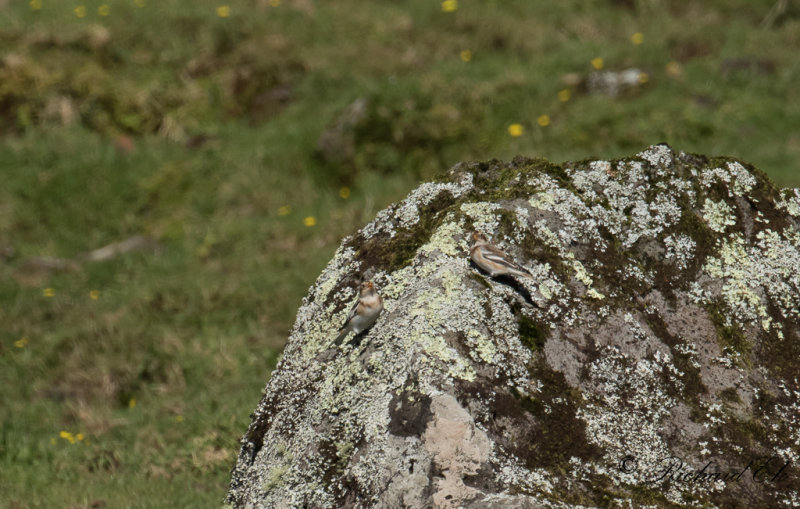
(492, 260)
(364, 312)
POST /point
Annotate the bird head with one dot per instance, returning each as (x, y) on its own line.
(367, 287)
(478, 238)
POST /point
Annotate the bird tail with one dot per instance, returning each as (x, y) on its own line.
(340, 337)
(522, 272)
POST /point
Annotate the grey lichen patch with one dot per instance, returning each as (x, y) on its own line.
(734, 176)
(662, 320)
(680, 250)
(275, 477)
(790, 202)
(718, 215)
(633, 384)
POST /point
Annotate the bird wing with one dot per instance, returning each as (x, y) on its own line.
(341, 336)
(493, 254)
(345, 329)
(353, 312)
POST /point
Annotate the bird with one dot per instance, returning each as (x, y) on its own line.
(491, 259)
(364, 313)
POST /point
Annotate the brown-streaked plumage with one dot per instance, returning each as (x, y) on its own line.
(493, 260)
(364, 313)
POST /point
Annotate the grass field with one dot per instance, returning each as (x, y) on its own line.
(128, 381)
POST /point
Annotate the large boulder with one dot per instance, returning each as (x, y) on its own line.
(654, 359)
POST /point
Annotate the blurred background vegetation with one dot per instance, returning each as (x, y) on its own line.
(174, 175)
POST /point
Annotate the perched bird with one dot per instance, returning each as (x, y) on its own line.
(491, 259)
(364, 313)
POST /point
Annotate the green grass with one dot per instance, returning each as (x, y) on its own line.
(170, 121)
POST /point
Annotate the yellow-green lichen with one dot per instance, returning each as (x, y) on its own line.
(482, 215)
(790, 202)
(321, 334)
(484, 346)
(433, 304)
(545, 290)
(595, 294)
(580, 271)
(735, 176)
(448, 239)
(335, 391)
(542, 200)
(275, 477)
(547, 236)
(735, 269)
(398, 282)
(423, 307)
(453, 285)
(744, 181)
(582, 275)
(325, 287)
(548, 286)
(435, 347)
(343, 452)
(718, 215)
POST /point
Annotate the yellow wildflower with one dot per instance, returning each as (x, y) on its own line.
(66, 435)
(79, 436)
(543, 120)
(223, 11)
(564, 95)
(274, 3)
(48, 292)
(179, 418)
(466, 55)
(36, 4)
(94, 295)
(344, 193)
(20, 343)
(674, 69)
(103, 10)
(644, 77)
(132, 403)
(449, 5)
(284, 211)
(80, 11)
(310, 221)
(597, 63)
(515, 130)
(637, 38)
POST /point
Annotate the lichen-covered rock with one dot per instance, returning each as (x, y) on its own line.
(659, 366)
